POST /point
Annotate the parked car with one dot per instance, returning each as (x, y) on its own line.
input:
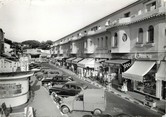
(108, 115)
(92, 100)
(34, 66)
(71, 88)
(56, 79)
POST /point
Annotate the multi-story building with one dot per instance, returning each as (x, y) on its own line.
(14, 65)
(132, 41)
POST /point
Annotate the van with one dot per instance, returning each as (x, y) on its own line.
(93, 100)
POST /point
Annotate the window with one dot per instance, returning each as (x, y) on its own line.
(106, 41)
(78, 88)
(72, 87)
(66, 86)
(115, 40)
(85, 44)
(151, 6)
(102, 42)
(94, 28)
(98, 41)
(140, 36)
(90, 42)
(151, 34)
(127, 14)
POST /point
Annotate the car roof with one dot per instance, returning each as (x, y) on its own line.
(76, 83)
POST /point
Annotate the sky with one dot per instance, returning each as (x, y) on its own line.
(44, 20)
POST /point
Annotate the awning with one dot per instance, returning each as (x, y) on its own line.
(161, 73)
(59, 58)
(70, 59)
(138, 70)
(77, 60)
(100, 60)
(125, 63)
(88, 62)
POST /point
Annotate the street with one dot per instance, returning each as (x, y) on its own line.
(115, 104)
(42, 103)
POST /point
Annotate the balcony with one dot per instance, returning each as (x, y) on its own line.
(124, 20)
(149, 44)
(144, 14)
(139, 44)
(101, 51)
(90, 33)
(101, 30)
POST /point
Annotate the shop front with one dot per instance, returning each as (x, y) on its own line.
(86, 66)
(14, 88)
(161, 79)
(116, 67)
(74, 62)
(69, 63)
(142, 74)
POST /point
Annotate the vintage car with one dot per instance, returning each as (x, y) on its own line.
(56, 80)
(108, 115)
(71, 88)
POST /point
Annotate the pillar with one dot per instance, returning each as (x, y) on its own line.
(159, 89)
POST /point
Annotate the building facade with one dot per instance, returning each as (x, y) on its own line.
(126, 39)
(1, 41)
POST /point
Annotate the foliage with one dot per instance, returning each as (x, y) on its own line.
(30, 44)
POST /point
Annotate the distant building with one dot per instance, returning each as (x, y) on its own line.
(7, 46)
(14, 65)
(1, 41)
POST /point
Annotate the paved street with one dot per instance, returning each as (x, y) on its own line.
(42, 103)
(116, 104)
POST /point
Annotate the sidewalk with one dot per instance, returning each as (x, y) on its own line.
(131, 96)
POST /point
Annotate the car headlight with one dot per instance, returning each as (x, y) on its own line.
(56, 95)
(60, 102)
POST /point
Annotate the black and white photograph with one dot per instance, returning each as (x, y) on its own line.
(82, 58)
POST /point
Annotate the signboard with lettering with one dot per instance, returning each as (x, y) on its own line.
(9, 90)
(126, 65)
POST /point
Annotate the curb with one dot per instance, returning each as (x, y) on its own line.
(124, 97)
(115, 93)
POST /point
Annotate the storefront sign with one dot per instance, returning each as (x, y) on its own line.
(9, 90)
(126, 65)
(143, 56)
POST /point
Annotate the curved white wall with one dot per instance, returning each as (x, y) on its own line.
(14, 92)
(15, 101)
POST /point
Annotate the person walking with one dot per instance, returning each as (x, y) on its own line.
(124, 87)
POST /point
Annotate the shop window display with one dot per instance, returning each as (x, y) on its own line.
(148, 85)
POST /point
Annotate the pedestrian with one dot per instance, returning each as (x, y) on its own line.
(124, 87)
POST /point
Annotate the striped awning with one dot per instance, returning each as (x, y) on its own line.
(69, 60)
(138, 70)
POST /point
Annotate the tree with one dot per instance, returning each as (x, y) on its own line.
(32, 43)
(49, 42)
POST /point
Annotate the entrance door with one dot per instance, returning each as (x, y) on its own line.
(164, 90)
(78, 103)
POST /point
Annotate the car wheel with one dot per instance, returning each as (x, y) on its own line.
(65, 109)
(97, 112)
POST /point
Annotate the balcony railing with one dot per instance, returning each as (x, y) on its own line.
(144, 14)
